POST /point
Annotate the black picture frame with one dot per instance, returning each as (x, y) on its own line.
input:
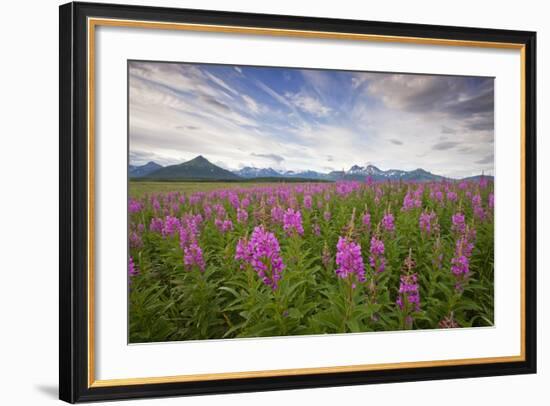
(74, 385)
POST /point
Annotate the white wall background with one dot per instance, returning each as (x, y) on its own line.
(29, 203)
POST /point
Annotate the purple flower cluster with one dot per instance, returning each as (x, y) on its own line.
(277, 214)
(460, 263)
(263, 253)
(349, 260)
(410, 201)
(409, 292)
(192, 256)
(134, 206)
(388, 222)
(171, 226)
(292, 222)
(376, 258)
(135, 240)
(459, 222)
(425, 222)
(452, 196)
(223, 225)
(366, 220)
(132, 268)
(308, 202)
(156, 225)
(242, 215)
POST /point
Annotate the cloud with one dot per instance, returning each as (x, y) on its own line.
(251, 104)
(447, 130)
(486, 160)
(396, 142)
(442, 146)
(274, 157)
(221, 83)
(308, 104)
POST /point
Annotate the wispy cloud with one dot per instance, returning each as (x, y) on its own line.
(273, 157)
(442, 146)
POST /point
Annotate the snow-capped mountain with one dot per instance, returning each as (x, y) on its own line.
(252, 172)
(355, 172)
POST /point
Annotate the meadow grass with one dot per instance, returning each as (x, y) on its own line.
(137, 189)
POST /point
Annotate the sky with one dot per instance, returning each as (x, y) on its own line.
(307, 119)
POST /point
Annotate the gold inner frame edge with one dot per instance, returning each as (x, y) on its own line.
(92, 23)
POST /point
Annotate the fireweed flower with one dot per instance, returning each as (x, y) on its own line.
(192, 256)
(479, 212)
(460, 263)
(242, 252)
(326, 214)
(292, 222)
(234, 200)
(307, 202)
(376, 258)
(245, 202)
(156, 225)
(388, 222)
(220, 210)
(483, 182)
(425, 222)
(135, 240)
(316, 230)
(277, 214)
(476, 200)
(242, 215)
(263, 253)
(349, 260)
(458, 221)
(491, 199)
(223, 225)
(409, 292)
(410, 202)
(185, 237)
(134, 206)
(192, 223)
(171, 226)
(207, 211)
(452, 196)
(132, 268)
(156, 204)
(366, 220)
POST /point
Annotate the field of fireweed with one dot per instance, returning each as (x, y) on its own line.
(310, 258)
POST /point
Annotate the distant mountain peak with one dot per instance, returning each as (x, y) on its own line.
(199, 159)
(198, 168)
(138, 171)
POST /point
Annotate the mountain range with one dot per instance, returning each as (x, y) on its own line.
(201, 168)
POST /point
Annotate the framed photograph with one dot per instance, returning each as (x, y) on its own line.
(257, 202)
